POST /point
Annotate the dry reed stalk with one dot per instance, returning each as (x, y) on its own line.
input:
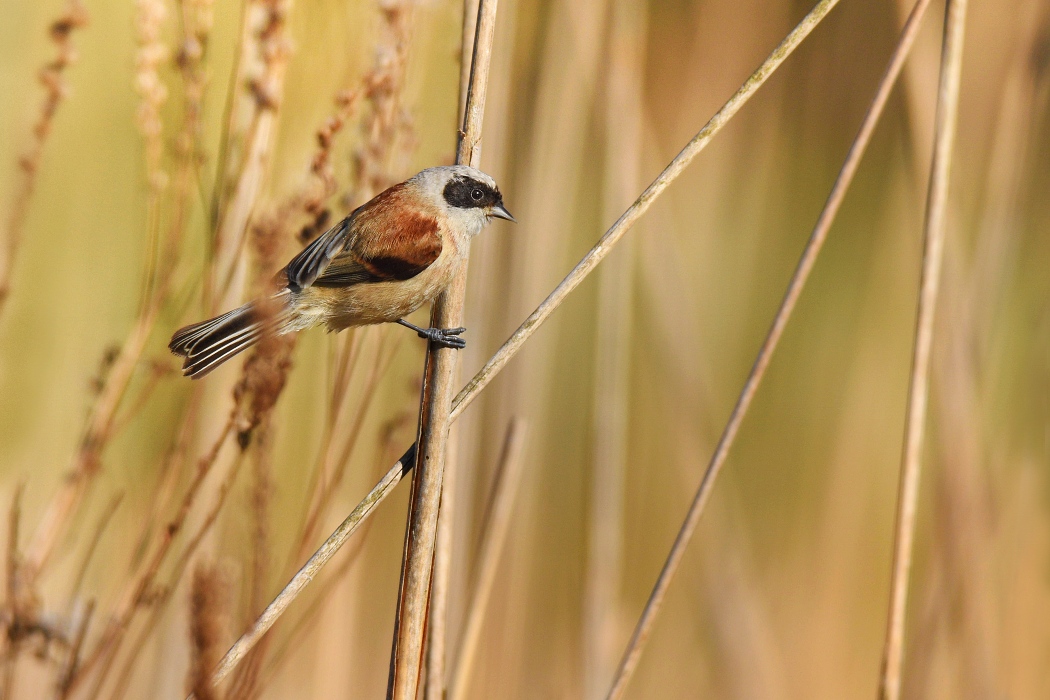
(434, 674)
(246, 685)
(965, 518)
(485, 313)
(52, 77)
(333, 467)
(514, 344)
(310, 616)
(137, 589)
(437, 622)
(642, 630)
(313, 566)
(13, 603)
(157, 595)
(435, 407)
(945, 123)
(623, 117)
(65, 674)
(152, 52)
(264, 62)
(208, 606)
(495, 527)
(100, 528)
(466, 54)
(382, 157)
(196, 25)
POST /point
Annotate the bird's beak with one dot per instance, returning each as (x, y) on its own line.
(500, 212)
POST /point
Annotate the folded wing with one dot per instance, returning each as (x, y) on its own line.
(385, 240)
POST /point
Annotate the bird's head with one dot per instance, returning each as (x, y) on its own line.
(465, 194)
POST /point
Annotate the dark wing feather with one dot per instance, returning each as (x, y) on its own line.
(314, 259)
(346, 271)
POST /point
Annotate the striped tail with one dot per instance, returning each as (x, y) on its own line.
(208, 344)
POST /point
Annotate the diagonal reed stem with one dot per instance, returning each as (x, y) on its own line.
(531, 324)
(632, 653)
(933, 249)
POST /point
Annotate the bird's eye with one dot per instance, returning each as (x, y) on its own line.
(476, 195)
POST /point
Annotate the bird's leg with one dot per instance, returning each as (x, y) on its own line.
(443, 337)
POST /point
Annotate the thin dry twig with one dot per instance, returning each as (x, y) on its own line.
(642, 630)
(137, 590)
(52, 78)
(264, 63)
(65, 676)
(310, 615)
(436, 403)
(313, 566)
(911, 460)
(495, 528)
(13, 594)
(89, 554)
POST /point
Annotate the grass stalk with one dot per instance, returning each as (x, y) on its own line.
(642, 630)
(435, 409)
(623, 110)
(52, 78)
(945, 122)
(313, 566)
(495, 527)
(437, 623)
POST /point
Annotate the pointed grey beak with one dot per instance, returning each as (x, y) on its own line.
(500, 212)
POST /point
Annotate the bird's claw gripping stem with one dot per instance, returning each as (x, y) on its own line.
(445, 337)
(442, 337)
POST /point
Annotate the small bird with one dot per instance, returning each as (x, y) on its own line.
(386, 259)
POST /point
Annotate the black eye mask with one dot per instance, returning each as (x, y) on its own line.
(468, 193)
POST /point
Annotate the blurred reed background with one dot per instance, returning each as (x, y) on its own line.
(190, 148)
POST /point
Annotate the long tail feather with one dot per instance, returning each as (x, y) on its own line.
(208, 344)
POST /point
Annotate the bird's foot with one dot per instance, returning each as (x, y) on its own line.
(444, 337)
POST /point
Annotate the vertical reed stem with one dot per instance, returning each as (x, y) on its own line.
(914, 430)
(494, 530)
(437, 633)
(435, 410)
(602, 612)
(643, 629)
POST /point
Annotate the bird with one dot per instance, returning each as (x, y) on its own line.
(386, 259)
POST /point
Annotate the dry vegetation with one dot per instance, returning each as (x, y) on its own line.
(174, 153)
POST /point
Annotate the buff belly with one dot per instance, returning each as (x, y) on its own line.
(363, 304)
